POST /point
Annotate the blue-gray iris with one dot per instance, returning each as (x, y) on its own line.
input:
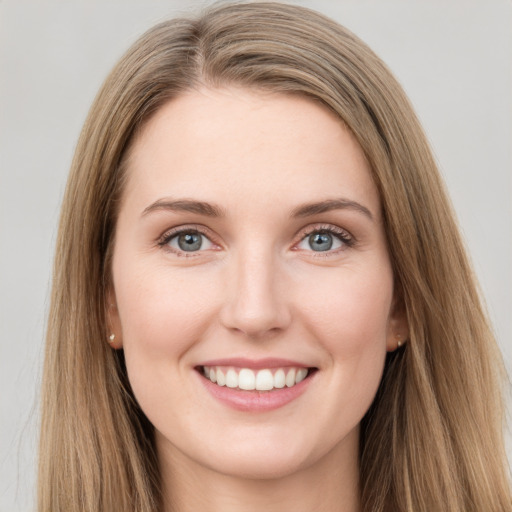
(190, 241)
(320, 241)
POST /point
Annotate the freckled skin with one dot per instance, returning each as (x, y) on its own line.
(256, 289)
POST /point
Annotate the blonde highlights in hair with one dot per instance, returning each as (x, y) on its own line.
(432, 439)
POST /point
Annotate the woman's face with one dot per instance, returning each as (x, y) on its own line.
(250, 251)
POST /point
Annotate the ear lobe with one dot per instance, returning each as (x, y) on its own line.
(114, 332)
(398, 326)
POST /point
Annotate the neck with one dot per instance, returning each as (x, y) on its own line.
(327, 485)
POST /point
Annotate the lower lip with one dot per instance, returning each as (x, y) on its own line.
(256, 401)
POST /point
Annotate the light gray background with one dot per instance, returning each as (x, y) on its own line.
(454, 59)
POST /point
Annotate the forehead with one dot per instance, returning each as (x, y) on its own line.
(230, 143)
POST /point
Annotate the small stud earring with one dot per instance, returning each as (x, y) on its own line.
(398, 340)
(111, 338)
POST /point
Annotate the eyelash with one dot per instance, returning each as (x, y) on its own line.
(344, 236)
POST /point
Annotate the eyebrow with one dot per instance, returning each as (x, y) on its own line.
(212, 210)
(185, 205)
(328, 205)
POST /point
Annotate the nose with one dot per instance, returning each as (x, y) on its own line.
(256, 305)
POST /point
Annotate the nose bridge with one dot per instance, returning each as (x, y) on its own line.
(255, 303)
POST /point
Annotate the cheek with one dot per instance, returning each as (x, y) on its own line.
(349, 316)
(351, 311)
(162, 310)
(163, 313)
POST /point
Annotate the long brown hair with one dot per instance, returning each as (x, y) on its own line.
(433, 438)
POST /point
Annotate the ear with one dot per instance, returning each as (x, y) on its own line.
(398, 326)
(114, 333)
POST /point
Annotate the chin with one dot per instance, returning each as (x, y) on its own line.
(260, 464)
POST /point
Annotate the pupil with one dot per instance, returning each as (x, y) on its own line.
(320, 241)
(190, 242)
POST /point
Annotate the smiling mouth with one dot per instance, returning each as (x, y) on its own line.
(246, 379)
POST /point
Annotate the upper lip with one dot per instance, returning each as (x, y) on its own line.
(256, 364)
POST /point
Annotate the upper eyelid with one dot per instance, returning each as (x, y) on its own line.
(164, 240)
(197, 228)
(330, 228)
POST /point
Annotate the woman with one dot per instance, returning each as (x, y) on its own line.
(260, 296)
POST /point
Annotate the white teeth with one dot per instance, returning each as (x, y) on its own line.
(279, 379)
(248, 380)
(301, 375)
(221, 379)
(264, 380)
(231, 379)
(290, 378)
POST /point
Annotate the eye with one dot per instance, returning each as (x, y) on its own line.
(323, 240)
(187, 241)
